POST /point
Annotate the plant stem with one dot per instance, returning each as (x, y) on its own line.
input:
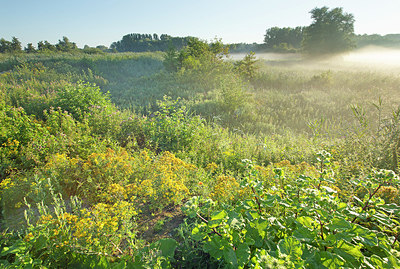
(206, 221)
(395, 239)
(257, 201)
(367, 203)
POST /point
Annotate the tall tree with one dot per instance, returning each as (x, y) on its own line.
(332, 31)
(16, 45)
(5, 46)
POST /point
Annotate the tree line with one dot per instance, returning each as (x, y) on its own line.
(63, 45)
(146, 42)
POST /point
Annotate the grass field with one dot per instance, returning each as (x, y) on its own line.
(113, 161)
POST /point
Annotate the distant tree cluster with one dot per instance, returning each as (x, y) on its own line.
(13, 46)
(391, 40)
(147, 42)
(331, 31)
(285, 38)
(64, 45)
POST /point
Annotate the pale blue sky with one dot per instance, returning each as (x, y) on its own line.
(95, 22)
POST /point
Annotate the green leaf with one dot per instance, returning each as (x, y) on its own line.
(18, 247)
(215, 245)
(235, 221)
(331, 260)
(306, 221)
(197, 234)
(230, 257)
(350, 253)
(304, 235)
(242, 254)
(290, 246)
(328, 189)
(120, 265)
(257, 230)
(167, 246)
(339, 224)
(218, 215)
(102, 263)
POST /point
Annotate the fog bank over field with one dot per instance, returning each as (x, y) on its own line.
(371, 57)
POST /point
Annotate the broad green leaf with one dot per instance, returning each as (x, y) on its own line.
(256, 230)
(235, 221)
(331, 260)
(306, 221)
(215, 245)
(391, 208)
(19, 246)
(351, 261)
(242, 254)
(218, 215)
(290, 246)
(252, 215)
(304, 235)
(394, 262)
(339, 224)
(377, 261)
(167, 246)
(120, 265)
(230, 257)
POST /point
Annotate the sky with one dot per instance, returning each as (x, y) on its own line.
(101, 22)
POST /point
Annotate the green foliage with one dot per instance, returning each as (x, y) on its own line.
(302, 224)
(80, 99)
(147, 42)
(197, 54)
(276, 36)
(248, 66)
(332, 31)
(172, 128)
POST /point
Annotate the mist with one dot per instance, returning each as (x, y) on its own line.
(373, 55)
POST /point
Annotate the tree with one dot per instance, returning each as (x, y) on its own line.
(10, 47)
(276, 36)
(46, 46)
(5, 46)
(16, 45)
(332, 31)
(30, 48)
(65, 45)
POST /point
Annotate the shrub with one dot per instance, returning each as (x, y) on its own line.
(80, 98)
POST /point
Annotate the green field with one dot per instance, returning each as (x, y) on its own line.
(116, 160)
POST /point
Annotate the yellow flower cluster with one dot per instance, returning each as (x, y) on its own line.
(93, 177)
(6, 184)
(226, 189)
(116, 176)
(212, 167)
(12, 145)
(163, 182)
(88, 228)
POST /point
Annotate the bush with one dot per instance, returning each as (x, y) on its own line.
(80, 98)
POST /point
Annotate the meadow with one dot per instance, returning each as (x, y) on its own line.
(154, 160)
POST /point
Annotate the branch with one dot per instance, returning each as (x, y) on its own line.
(206, 221)
(367, 203)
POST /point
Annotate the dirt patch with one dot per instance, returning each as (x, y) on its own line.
(153, 227)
